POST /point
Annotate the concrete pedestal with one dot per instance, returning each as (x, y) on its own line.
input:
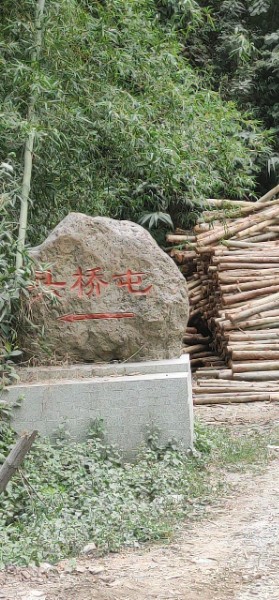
(129, 397)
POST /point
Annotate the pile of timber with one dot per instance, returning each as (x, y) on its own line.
(198, 346)
(234, 285)
(208, 389)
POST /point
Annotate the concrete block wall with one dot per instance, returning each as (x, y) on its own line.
(128, 397)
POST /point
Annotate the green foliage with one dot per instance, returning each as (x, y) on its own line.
(156, 218)
(71, 494)
(124, 126)
(239, 49)
(12, 285)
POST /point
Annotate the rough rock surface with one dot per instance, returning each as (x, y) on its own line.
(115, 295)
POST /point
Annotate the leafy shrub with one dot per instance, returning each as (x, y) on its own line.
(238, 47)
(69, 494)
(124, 125)
(12, 284)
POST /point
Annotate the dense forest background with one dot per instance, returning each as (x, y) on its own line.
(141, 106)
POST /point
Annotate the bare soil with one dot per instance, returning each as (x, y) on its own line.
(232, 553)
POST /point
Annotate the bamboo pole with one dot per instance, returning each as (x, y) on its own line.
(241, 225)
(29, 145)
(241, 297)
(243, 276)
(257, 376)
(192, 340)
(251, 285)
(191, 330)
(193, 349)
(253, 335)
(173, 238)
(231, 384)
(256, 323)
(263, 237)
(238, 244)
(255, 355)
(254, 347)
(266, 365)
(259, 302)
(261, 268)
(223, 203)
(251, 257)
(236, 399)
(255, 309)
(269, 194)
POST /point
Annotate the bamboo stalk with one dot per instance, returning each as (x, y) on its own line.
(224, 203)
(226, 266)
(231, 384)
(263, 237)
(257, 376)
(192, 340)
(231, 389)
(192, 284)
(238, 244)
(183, 256)
(267, 365)
(256, 309)
(255, 249)
(248, 355)
(193, 349)
(251, 285)
(173, 238)
(269, 194)
(235, 399)
(253, 335)
(259, 302)
(239, 346)
(245, 276)
(256, 323)
(213, 372)
(242, 225)
(250, 257)
(244, 296)
(203, 354)
(29, 145)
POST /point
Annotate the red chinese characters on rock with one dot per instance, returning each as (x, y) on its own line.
(46, 278)
(91, 283)
(132, 282)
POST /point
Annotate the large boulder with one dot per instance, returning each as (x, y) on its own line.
(115, 294)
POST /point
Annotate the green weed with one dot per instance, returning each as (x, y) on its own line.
(70, 494)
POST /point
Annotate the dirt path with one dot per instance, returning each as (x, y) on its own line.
(232, 554)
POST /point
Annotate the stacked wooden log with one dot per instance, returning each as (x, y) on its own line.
(184, 251)
(245, 320)
(234, 285)
(198, 347)
(222, 391)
